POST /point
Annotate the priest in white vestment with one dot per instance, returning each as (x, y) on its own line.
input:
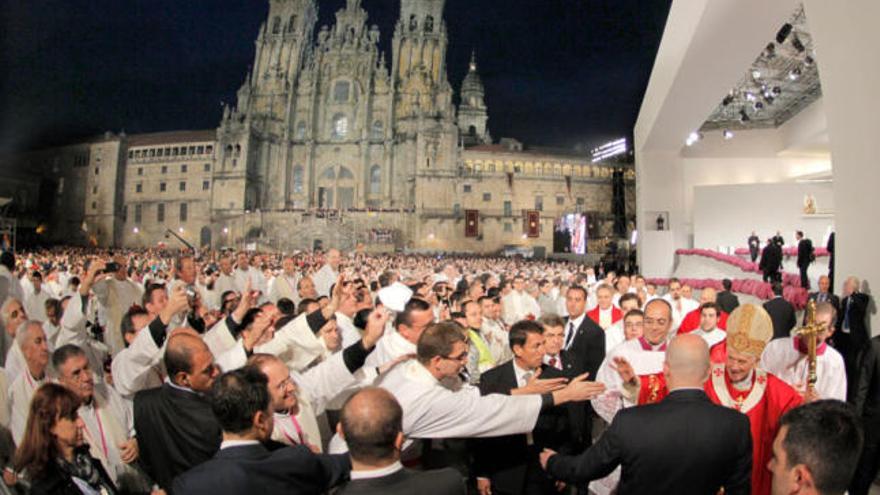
(787, 358)
(116, 293)
(31, 339)
(327, 275)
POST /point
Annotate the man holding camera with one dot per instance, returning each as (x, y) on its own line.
(116, 293)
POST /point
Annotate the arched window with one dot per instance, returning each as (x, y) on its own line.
(297, 179)
(329, 174)
(345, 173)
(472, 131)
(340, 126)
(413, 23)
(291, 24)
(276, 25)
(300, 132)
(429, 24)
(375, 180)
(377, 131)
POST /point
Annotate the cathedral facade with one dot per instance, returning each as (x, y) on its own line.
(328, 143)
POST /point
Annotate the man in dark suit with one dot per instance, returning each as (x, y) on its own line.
(726, 299)
(867, 406)
(372, 425)
(830, 247)
(778, 240)
(583, 351)
(509, 464)
(754, 246)
(805, 257)
(781, 312)
(240, 401)
(824, 294)
(175, 425)
(683, 444)
(851, 335)
(771, 261)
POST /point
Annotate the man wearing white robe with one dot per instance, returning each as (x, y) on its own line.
(245, 273)
(615, 334)
(787, 359)
(107, 418)
(116, 293)
(13, 315)
(401, 341)
(35, 298)
(226, 280)
(298, 399)
(709, 330)
(327, 275)
(284, 285)
(518, 304)
(10, 286)
(31, 339)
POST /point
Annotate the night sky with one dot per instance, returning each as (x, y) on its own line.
(557, 72)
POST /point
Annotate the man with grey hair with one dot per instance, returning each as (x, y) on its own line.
(684, 444)
(31, 339)
(13, 314)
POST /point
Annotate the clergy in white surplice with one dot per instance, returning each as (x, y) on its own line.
(31, 339)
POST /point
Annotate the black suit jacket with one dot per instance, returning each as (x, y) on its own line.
(506, 460)
(856, 305)
(834, 300)
(805, 253)
(782, 314)
(684, 444)
(445, 481)
(176, 431)
(585, 354)
(771, 259)
(867, 395)
(256, 469)
(727, 301)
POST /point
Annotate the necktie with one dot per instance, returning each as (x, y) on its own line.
(526, 377)
(553, 362)
(570, 337)
(846, 315)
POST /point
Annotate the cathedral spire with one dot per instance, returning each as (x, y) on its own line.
(472, 113)
(473, 66)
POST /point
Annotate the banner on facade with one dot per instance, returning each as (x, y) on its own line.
(471, 223)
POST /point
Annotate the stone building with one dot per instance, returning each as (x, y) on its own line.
(328, 144)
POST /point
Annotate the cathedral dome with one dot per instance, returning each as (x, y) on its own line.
(472, 84)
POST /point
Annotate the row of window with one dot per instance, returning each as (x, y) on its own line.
(340, 128)
(182, 213)
(477, 166)
(332, 174)
(276, 25)
(183, 169)
(163, 186)
(539, 200)
(171, 151)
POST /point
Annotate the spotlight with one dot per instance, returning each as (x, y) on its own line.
(693, 138)
(743, 116)
(431, 236)
(783, 33)
(776, 91)
(808, 61)
(180, 229)
(758, 106)
(796, 43)
(225, 230)
(756, 74)
(135, 230)
(794, 74)
(727, 133)
(750, 96)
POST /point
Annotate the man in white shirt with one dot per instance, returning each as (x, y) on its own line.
(615, 334)
(31, 339)
(327, 275)
(408, 327)
(493, 331)
(787, 359)
(681, 305)
(622, 287)
(116, 293)
(348, 307)
(36, 297)
(13, 315)
(284, 285)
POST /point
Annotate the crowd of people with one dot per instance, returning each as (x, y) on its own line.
(154, 371)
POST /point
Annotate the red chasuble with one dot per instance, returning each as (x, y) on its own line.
(718, 353)
(691, 322)
(767, 400)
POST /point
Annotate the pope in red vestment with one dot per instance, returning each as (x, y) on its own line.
(739, 384)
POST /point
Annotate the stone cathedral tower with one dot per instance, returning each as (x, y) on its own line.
(472, 112)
